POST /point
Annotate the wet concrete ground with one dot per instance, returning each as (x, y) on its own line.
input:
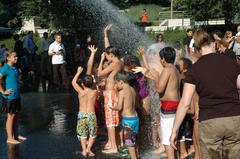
(49, 122)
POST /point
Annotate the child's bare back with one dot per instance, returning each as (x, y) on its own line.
(129, 103)
(87, 100)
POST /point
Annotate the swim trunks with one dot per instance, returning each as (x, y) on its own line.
(166, 126)
(169, 107)
(86, 125)
(110, 101)
(167, 116)
(131, 128)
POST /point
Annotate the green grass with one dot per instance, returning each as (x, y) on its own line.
(170, 35)
(9, 42)
(153, 12)
(174, 35)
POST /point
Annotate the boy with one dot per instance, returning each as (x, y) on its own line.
(126, 104)
(87, 122)
(110, 97)
(168, 86)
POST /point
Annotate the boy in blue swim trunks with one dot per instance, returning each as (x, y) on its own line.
(87, 122)
(127, 106)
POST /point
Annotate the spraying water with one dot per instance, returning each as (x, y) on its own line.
(124, 34)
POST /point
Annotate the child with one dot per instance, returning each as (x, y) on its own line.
(87, 122)
(186, 129)
(126, 104)
(11, 97)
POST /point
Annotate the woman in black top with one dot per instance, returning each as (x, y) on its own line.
(216, 80)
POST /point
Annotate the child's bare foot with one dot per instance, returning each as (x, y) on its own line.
(22, 138)
(191, 150)
(107, 146)
(122, 144)
(183, 155)
(12, 141)
(158, 150)
(110, 151)
(90, 153)
(84, 154)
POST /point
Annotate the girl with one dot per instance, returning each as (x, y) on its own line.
(11, 97)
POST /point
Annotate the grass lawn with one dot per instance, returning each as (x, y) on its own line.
(9, 42)
(170, 36)
(134, 12)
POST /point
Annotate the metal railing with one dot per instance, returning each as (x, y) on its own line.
(175, 15)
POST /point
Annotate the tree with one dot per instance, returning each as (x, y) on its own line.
(210, 9)
(8, 12)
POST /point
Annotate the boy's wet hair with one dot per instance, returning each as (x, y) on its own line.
(122, 76)
(130, 60)
(113, 51)
(187, 63)
(169, 54)
(188, 30)
(87, 81)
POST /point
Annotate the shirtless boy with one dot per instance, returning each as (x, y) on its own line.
(110, 97)
(87, 122)
(126, 104)
(168, 85)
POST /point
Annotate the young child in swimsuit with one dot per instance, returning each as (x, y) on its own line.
(127, 106)
(87, 122)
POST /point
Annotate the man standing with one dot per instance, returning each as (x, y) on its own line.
(18, 48)
(45, 61)
(57, 51)
(29, 47)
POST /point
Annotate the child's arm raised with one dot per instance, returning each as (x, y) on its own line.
(91, 59)
(141, 52)
(106, 40)
(74, 81)
(104, 72)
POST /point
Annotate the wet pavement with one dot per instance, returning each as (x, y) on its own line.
(49, 122)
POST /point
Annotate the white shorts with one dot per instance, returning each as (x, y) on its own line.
(166, 127)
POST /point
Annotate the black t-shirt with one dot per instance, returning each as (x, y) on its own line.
(230, 53)
(18, 47)
(187, 41)
(215, 77)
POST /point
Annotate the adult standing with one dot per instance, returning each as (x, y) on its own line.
(18, 48)
(186, 42)
(144, 16)
(29, 47)
(216, 80)
(58, 53)
(46, 69)
(160, 39)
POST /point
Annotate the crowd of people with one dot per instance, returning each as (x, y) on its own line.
(187, 98)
